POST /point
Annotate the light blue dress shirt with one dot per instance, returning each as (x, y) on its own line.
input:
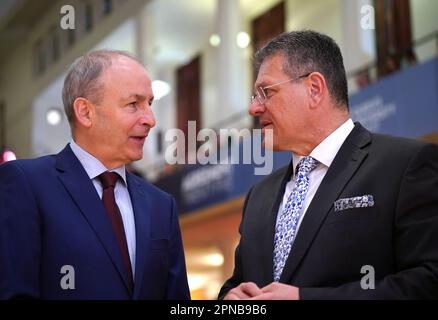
(94, 168)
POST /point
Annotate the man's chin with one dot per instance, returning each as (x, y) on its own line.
(136, 156)
(268, 140)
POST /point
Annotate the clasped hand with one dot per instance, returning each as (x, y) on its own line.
(273, 291)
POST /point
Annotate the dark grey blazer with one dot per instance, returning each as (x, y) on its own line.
(397, 236)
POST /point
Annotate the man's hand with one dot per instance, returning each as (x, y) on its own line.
(278, 291)
(273, 291)
(245, 290)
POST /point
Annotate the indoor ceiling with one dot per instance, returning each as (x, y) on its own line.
(183, 27)
(17, 17)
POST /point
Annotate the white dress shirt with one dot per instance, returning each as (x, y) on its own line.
(325, 152)
(94, 168)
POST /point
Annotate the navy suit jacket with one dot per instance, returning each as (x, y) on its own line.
(51, 216)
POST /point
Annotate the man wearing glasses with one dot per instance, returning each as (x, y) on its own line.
(355, 214)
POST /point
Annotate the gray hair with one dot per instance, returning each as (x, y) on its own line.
(83, 78)
(309, 51)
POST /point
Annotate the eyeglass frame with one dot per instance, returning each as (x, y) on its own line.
(262, 89)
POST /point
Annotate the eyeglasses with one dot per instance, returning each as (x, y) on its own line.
(261, 95)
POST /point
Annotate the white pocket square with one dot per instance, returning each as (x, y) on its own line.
(354, 202)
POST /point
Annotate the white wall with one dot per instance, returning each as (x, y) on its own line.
(322, 16)
(122, 38)
(424, 17)
(46, 138)
(341, 20)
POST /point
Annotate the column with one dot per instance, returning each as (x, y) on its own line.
(231, 62)
(359, 46)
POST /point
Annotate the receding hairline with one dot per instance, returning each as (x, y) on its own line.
(80, 81)
(113, 66)
(109, 53)
(115, 56)
(112, 56)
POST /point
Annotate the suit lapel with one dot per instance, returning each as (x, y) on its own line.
(272, 203)
(77, 183)
(347, 161)
(141, 207)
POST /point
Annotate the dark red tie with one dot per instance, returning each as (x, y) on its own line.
(108, 180)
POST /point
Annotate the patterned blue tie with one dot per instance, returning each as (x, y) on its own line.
(287, 224)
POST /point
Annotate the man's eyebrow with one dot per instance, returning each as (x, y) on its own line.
(136, 96)
(139, 97)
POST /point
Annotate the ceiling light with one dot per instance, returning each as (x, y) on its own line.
(215, 40)
(243, 40)
(53, 116)
(160, 89)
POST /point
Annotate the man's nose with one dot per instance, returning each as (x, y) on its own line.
(148, 118)
(256, 108)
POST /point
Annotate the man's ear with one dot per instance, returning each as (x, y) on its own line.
(84, 111)
(317, 88)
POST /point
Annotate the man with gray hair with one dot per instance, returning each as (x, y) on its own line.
(77, 225)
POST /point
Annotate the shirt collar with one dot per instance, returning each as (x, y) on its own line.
(326, 151)
(92, 165)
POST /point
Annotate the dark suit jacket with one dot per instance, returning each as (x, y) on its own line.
(398, 236)
(51, 216)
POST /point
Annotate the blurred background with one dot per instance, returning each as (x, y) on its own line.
(199, 52)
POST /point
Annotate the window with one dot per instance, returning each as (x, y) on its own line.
(54, 44)
(88, 17)
(107, 6)
(189, 96)
(39, 55)
(71, 37)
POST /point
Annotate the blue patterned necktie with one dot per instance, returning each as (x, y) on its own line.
(286, 227)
